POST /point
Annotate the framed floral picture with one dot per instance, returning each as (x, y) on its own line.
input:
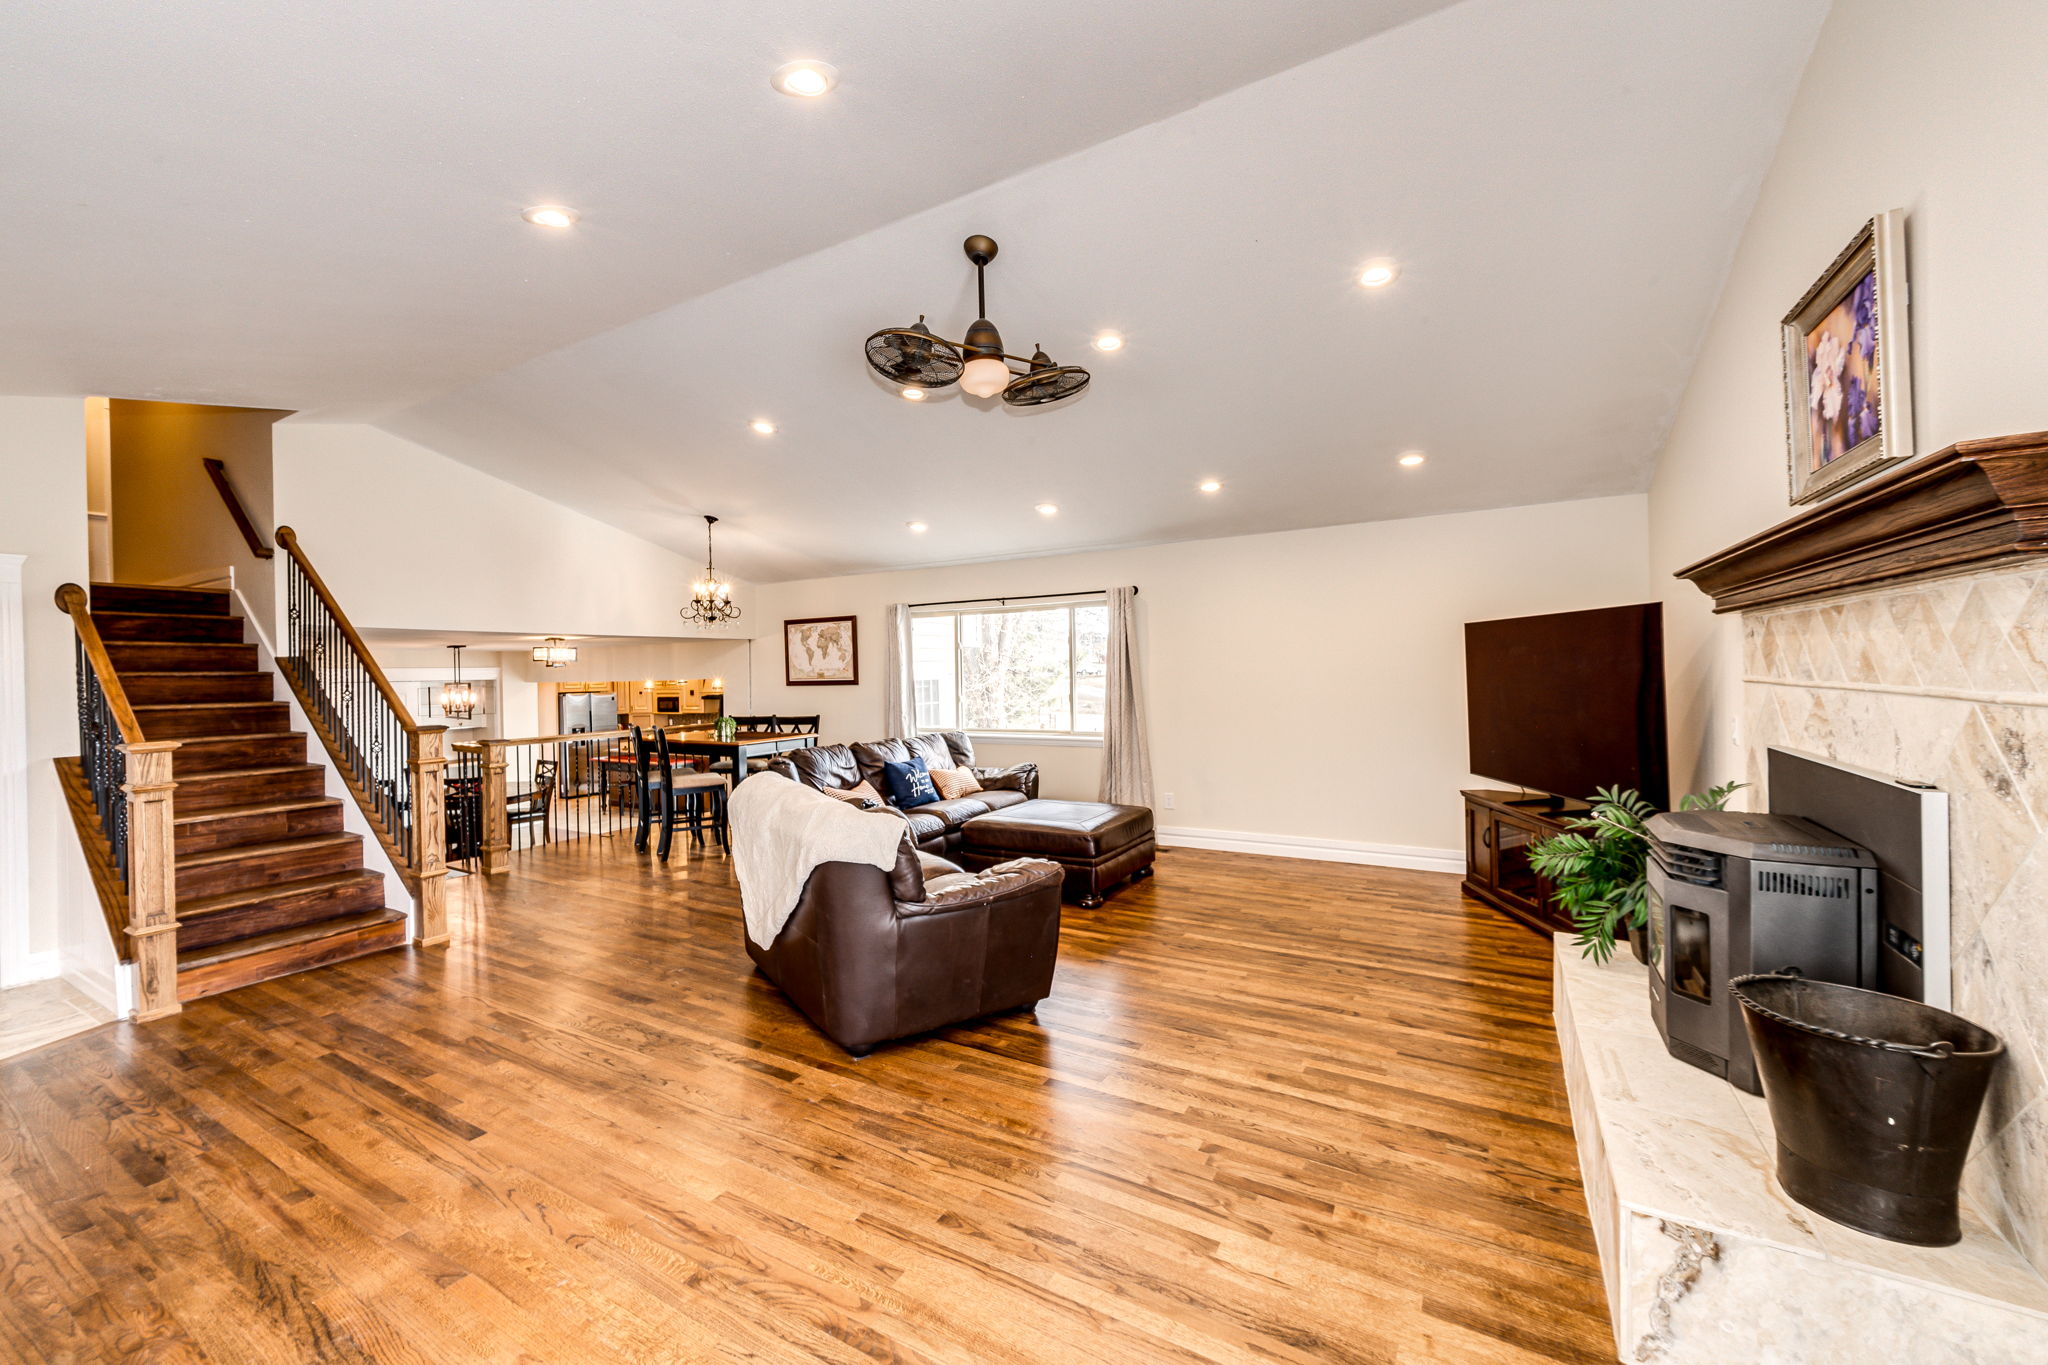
(820, 650)
(1848, 378)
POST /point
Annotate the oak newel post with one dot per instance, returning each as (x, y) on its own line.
(497, 831)
(428, 763)
(152, 878)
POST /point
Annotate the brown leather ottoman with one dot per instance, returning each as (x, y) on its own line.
(1098, 845)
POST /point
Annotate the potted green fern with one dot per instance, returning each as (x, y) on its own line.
(1598, 868)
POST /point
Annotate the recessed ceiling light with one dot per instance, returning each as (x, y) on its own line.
(1210, 485)
(1048, 509)
(917, 528)
(1412, 459)
(1378, 274)
(806, 79)
(913, 394)
(1108, 341)
(550, 216)
(762, 426)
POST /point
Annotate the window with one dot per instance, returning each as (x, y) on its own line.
(1011, 670)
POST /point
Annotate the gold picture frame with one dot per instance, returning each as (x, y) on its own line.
(1848, 366)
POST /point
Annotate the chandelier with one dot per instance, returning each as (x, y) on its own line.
(458, 698)
(915, 358)
(711, 601)
(554, 653)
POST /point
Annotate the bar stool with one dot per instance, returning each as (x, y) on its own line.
(702, 803)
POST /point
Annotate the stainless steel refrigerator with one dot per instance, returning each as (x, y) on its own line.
(583, 713)
(586, 713)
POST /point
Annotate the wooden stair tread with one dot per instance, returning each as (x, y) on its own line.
(287, 938)
(270, 849)
(249, 895)
(128, 673)
(225, 773)
(201, 705)
(256, 808)
(232, 738)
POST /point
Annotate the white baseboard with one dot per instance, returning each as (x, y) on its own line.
(33, 967)
(1320, 850)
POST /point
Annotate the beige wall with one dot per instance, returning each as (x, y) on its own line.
(1303, 685)
(1938, 109)
(42, 516)
(409, 539)
(1935, 108)
(168, 523)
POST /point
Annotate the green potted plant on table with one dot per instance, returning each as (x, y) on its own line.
(1598, 868)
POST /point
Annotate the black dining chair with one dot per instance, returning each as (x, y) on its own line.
(532, 807)
(796, 725)
(749, 725)
(694, 800)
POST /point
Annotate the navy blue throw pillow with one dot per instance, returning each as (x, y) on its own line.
(910, 784)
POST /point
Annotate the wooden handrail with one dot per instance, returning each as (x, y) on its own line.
(72, 600)
(290, 540)
(146, 909)
(558, 739)
(218, 472)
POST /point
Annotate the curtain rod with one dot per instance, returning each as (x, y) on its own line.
(1021, 597)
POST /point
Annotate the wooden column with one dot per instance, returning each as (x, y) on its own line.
(428, 762)
(152, 878)
(497, 832)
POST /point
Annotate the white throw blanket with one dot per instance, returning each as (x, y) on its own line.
(781, 830)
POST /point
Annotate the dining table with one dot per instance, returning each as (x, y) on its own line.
(683, 743)
(741, 747)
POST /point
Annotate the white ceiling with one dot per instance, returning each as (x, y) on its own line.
(273, 205)
(316, 205)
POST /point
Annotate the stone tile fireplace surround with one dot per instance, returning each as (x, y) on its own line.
(1904, 629)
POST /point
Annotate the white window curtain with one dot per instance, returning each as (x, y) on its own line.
(899, 702)
(1126, 756)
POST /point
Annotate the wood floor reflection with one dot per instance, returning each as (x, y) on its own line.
(1273, 1111)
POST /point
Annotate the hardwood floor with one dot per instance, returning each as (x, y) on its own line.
(1273, 1111)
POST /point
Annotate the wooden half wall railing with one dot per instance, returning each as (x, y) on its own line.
(120, 794)
(392, 765)
(556, 788)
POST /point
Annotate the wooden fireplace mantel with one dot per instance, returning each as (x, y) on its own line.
(1966, 507)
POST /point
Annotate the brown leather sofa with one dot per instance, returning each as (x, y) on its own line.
(936, 827)
(870, 955)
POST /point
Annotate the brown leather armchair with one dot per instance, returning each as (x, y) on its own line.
(870, 955)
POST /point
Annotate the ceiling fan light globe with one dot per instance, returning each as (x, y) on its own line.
(985, 377)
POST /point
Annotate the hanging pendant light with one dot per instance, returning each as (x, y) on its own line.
(554, 653)
(914, 358)
(458, 698)
(711, 601)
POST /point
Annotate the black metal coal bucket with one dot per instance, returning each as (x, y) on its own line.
(1874, 1098)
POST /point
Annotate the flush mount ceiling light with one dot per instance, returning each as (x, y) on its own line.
(1378, 274)
(1210, 485)
(1108, 341)
(1048, 509)
(762, 426)
(458, 698)
(917, 357)
(550, 216)
(805, 79)
(916, 528)
(1412, 459)
(554, 653)
(711, 601)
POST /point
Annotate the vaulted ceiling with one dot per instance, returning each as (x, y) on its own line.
(317, 207)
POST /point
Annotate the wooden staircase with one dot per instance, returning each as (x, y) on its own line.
(267, 882)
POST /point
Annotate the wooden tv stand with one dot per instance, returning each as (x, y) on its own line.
(1499, 827)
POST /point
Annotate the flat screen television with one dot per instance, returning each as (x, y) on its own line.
(1567, 703)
